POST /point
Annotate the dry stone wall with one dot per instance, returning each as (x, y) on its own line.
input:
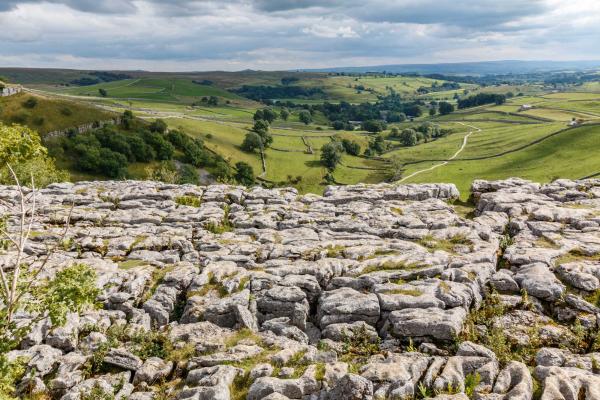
(367, 292)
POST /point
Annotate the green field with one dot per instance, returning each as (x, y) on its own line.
(571, 154)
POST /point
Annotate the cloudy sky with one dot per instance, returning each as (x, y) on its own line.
(182, 35)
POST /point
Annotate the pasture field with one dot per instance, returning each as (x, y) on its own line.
(554, 114)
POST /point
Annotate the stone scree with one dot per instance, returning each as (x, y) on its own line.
(366, 292)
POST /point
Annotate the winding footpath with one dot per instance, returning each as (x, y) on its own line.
(464, 144)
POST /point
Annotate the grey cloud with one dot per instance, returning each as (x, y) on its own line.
(288, 5)
(484, 14)
(90, 6)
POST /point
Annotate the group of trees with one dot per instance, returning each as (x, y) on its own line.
(377, 146)
(96, 77)
(259, 136)
(109, 150)
(445, 108)
(421, 133)
(481, 99)
(372, 116)
(264, 93)
(373, 126)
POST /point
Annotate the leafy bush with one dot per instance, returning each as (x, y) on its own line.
(30, 102)
(244, 173)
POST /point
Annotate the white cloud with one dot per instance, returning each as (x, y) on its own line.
(328, 31)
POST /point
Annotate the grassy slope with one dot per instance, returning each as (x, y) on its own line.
(52, 112)
(571, 154)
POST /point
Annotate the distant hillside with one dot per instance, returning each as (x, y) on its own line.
(222, 79)
(471, 68)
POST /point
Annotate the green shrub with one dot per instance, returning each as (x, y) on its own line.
(30, 102)
(190, 201)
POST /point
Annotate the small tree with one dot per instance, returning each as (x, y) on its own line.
(22, 148)
(338, 125)
(188, 174)
(159, 126)
(244, 173)
(258, 115)
(165, 171)
(396, 168)
(284, 114)
(331, 154)
(305, 117)
(261, 128)
(445, 108)
(408, 137)
(351, 147)
(103, 92)
(251, 142)
(269, 115)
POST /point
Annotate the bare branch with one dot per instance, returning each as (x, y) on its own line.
(49, 253)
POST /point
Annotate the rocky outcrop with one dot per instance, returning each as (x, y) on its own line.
(367, 292)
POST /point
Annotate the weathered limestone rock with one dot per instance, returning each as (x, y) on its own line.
(123, 359)
(429, 322)
(152, 371)
(352, 387)
(291, 388)
(538, 281)
(346, 305)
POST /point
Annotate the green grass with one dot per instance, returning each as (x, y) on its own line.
(392, 266)
(49, 114)
(570, 154)
(406, 292)
(433, 244)
(131, 264)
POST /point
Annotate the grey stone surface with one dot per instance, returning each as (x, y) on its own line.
(296, 284)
